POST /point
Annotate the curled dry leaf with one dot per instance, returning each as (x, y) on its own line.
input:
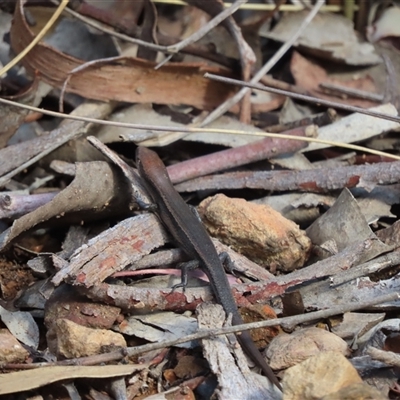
(120, 78)
(22, 325)
(354, 324)
(386, 26)
(25, 153)
(343, 223)
(358, 127)
(156, 327)
(384, 336)
(96, 188)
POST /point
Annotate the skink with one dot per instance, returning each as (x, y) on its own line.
(191, 235)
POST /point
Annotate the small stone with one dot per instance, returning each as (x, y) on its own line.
(74, 340)
(11, 350)
(256, 231)
(323, 374)
(357, 391)
(287, 350)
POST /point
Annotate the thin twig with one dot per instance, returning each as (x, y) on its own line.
(293, 320)
(111, 32)
(37, 39)
(343, 90)
(365, 269)
(81, 68)
(316, 180)
(158, 47)
(202, 31)
(162, 128)
(267, 7)
(303, 97)
(266, 68)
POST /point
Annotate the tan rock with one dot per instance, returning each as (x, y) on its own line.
(323, 374)
(287, 350)
(11, 350)
(357, 391)
(74, 340)
(256, 231)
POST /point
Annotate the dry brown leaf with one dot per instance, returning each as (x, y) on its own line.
(122, 79)
(343, 224)
(21, 381)
(309, 75)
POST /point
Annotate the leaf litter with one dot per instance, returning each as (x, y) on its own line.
(78, 254)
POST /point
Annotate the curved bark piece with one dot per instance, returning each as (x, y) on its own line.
(124, 79)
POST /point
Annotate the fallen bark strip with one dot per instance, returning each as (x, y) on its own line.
(124, 79)
(113, 250)
(321, 295)
(154, 299)
(314, 180)
(228, 362)
(352, 256)
(371, 267)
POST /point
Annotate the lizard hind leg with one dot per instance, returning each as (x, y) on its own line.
(185, 267)
(227, 262)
